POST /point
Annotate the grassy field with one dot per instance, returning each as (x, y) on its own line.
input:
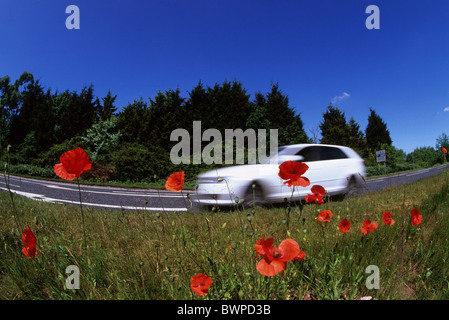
(153, 255)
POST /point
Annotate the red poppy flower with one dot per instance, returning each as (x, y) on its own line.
(317, 195)
(301, 255)
(200, 284)
(292, 171)
(175, 181)
(73, 164)
(29, 243)
(444, 150)
(416, 217)
(344, 225)
(275, 258)
(368, 226)
(386, 217)
(325, 215)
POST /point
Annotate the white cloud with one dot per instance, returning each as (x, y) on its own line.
(338, 99)
(446, 109)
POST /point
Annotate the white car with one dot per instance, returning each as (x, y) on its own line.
(340, 170)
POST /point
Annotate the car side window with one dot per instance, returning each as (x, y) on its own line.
(330, 153)
(310, 154)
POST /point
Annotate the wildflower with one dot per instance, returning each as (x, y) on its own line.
(175, 181)
(386, 217)
(344, 225)
(275, 258)
(368, 226)
(29, 243)
(301, 255)
(73, 164)
(317, 195)
(416, 217)
(292, 171)
(324, 215)
(200, 284)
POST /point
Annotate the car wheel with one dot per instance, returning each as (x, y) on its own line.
(353, 188)
(254, 196)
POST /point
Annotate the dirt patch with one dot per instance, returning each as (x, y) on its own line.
(99, 171)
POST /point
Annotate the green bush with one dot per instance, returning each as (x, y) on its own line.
(51, 157)
(31, 170)
(425, 156)
(136, 163)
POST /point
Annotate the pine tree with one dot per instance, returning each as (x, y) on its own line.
(334, 129)
(357, 139)
(108, 108)
(278, 115)
(376, 132)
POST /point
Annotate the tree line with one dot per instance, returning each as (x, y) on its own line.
(134, 143)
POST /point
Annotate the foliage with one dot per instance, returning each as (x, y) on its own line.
(40, 124)
(135, 162)
(102, 138)
(334, 129)
(443, 142)
(50, 157)
(425, 157)
(376, 132)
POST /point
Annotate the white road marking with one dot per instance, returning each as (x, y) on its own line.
(11, 185)
(162, 195)
(41, 197)
(413, 174)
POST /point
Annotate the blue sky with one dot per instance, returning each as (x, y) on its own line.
(317, 51)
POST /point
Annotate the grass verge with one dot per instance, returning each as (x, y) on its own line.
(152, 255)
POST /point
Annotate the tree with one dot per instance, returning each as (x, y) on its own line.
(74, 113)
(107, 109)
(443, 142)
(223, 106)
(9, 107)
(357, 139)
(334, 129)
(376, 132)
(102, 138)
(32, 125)
(425, 157)
(132, 122)
(164, 117)
(274, 112)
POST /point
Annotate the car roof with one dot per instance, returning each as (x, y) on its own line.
(302, 145)
(349, 151)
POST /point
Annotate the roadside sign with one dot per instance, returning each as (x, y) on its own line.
(381, 156)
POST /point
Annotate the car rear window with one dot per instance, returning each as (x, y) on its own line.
(329, 153)
(317, 153)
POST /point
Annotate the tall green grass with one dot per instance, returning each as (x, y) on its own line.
(153, 255)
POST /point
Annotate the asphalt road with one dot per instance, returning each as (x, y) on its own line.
(114, 198)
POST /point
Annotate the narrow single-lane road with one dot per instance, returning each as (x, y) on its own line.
(115, 198)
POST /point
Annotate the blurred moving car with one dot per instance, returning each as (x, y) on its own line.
(340, 170)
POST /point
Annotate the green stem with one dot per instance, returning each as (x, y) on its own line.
(81, 207)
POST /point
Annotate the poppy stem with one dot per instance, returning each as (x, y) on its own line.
(190, 201)
(160, 200)
(11, 195)
(81, 206)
